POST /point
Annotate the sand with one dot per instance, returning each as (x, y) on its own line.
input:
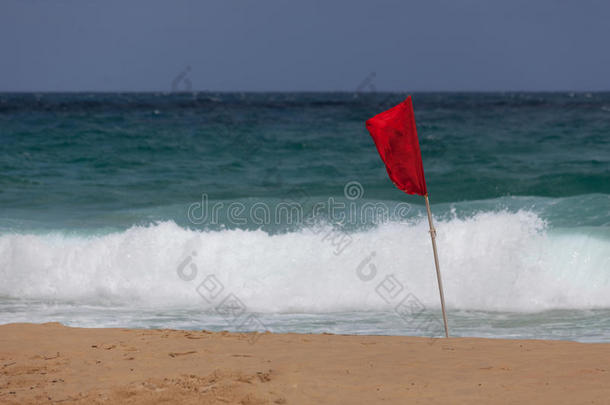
(51, 363)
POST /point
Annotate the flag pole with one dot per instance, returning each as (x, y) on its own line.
(438, 270)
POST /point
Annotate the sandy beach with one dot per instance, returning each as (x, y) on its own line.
(344, 180)
(51, 363)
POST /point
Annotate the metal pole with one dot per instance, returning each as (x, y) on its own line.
(438, 270)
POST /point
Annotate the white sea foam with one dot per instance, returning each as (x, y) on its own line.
(490, 261)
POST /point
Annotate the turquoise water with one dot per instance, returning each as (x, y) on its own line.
(104, 196)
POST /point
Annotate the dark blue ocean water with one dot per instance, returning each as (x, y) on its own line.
(95, 193)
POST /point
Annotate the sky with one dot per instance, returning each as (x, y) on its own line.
(309, 45)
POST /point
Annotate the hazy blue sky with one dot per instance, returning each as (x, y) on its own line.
(308, 45)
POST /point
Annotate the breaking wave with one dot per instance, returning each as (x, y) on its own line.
(489, 261)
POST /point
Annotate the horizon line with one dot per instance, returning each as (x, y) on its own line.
(288, 91)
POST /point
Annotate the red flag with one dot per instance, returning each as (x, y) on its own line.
(395, 136)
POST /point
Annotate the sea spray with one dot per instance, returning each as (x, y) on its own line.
(492, 261)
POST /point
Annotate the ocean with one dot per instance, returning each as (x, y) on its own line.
(273, 211)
